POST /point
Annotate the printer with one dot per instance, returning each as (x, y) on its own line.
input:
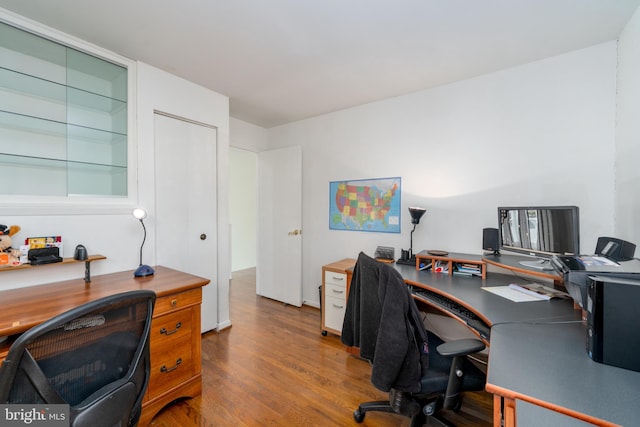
(575, 270)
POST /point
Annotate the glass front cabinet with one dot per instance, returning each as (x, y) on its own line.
(63, 120)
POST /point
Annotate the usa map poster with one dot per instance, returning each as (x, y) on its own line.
(365, 205)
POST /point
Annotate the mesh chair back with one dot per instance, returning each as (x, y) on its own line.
(94, 358)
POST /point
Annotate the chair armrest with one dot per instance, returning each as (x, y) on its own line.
(463, 347)
(458, 350)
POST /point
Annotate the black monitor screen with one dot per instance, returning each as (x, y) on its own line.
(540, 230)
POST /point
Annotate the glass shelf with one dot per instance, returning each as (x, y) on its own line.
(60, 177)
(60, 141)
(34, 161)
(33, 96)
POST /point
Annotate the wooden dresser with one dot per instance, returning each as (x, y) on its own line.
(175, 330)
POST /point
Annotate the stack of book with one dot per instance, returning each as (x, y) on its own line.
(467, 270)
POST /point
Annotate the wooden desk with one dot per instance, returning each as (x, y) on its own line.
(175, 329)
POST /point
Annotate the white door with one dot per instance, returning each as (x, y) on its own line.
(186, 220)
(279, 264)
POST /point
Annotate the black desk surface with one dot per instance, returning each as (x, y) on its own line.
(494, 309)
(537, 353)
(547, 364)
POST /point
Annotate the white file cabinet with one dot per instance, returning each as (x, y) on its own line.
(335, 289)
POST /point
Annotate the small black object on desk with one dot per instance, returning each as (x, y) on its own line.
(40, 256)
(80, 253)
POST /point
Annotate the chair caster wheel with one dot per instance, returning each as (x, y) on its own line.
(429, 409)
(324, 333)
(358, 416)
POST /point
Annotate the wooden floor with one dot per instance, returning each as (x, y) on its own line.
(273, 367)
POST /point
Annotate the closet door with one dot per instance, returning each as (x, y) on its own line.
(186, 201)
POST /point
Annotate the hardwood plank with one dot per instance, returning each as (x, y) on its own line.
(273, 367)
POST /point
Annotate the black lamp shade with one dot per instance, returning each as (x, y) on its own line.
(416, 214)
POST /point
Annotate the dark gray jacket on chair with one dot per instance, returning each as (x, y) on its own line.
(383, 320)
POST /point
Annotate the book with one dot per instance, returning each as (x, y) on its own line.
(464, 269)
(540, 291)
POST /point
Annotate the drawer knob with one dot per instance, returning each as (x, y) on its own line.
(165, 332)
(174, 302)
(164, 369)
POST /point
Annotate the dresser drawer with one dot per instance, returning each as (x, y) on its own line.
(171, 351)
(335, 291)
(334, 313)
(170, 326)
(177, 301)
(338, 279)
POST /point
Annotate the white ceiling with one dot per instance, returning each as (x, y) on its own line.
(285, 60)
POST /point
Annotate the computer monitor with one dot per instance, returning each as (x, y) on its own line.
(539, 231)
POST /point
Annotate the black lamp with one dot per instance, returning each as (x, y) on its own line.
(407, 256)
(143, 269)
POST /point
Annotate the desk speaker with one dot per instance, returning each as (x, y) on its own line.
(615, 249)
(490, 240)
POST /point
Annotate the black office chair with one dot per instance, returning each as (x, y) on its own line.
(94, 358)
(383, 320)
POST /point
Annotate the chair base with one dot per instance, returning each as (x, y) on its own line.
(426, 415)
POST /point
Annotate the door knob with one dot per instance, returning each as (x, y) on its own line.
(295, 232)
(203, 236)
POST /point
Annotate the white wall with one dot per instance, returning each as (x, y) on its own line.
(247, 136)
(537, 134)
(627, 204)
(115, 233)
(158, 90)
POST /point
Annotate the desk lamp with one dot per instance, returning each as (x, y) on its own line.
(409, 258)
(143, 269)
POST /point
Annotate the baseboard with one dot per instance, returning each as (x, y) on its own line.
(223, 325)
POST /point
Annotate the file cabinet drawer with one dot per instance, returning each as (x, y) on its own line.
(335, 291)
(334, 313)
(338, 279)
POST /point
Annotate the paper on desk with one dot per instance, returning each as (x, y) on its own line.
(510, 293)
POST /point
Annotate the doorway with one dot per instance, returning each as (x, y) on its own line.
(243, 208)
